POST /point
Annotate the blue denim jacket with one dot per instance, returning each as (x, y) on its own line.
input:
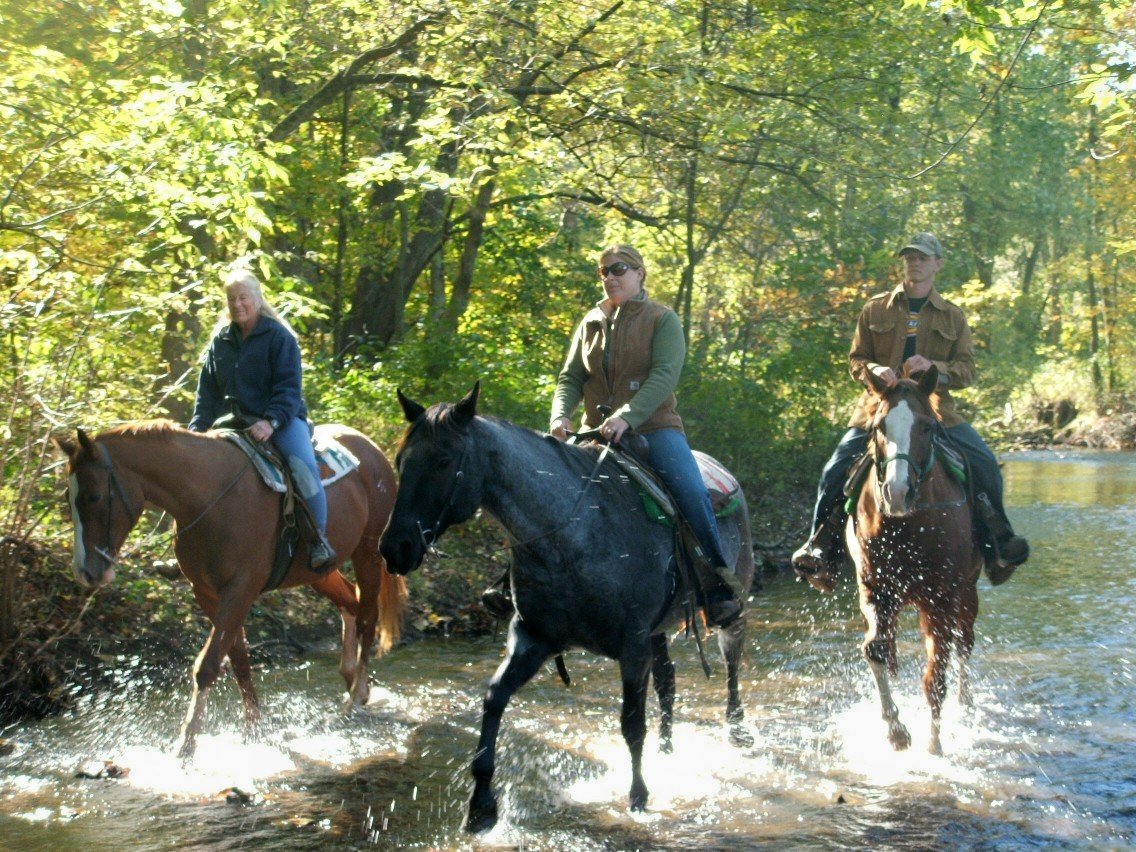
(262, 372)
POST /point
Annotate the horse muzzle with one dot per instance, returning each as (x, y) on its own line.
(402, 553)
(897, 500)
(94, 569)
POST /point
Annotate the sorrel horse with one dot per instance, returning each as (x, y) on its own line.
(227, 526)
(589, 569)
(912, 541)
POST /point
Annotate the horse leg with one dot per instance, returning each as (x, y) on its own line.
(347, 599)
(228, 621)
(879, 651)
(663, 676)
(634, 668)
(242, 671)
(524, 655)
(964, 639)
(731, 641)
(368, 572)
(937, 639)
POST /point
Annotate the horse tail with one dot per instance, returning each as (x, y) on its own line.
(392, 608)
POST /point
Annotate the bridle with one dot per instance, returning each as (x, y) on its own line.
(108, 553)
(115, 487)
(430, 536)
(922, 472)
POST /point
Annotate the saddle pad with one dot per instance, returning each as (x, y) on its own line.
(722, 485)
(335, 460)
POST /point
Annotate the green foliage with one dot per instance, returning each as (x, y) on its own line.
(424, 187)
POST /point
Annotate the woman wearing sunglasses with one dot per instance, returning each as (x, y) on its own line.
(624, 364)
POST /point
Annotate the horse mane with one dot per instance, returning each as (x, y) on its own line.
(159, 428)
(439, 418)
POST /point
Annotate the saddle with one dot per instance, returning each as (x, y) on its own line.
(334, 460)
(721, 485)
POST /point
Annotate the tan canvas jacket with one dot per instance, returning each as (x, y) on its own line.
(943, 338)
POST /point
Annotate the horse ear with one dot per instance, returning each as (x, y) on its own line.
(875, 384)
(929, 380)
(65, 445)
(410, 409)
(467, 408)
(85, 442)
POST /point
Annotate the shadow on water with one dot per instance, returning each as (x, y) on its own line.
(1042, 759)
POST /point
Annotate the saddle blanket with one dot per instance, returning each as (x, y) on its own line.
(334, 459)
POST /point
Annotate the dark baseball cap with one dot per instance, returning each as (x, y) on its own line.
(924, 243)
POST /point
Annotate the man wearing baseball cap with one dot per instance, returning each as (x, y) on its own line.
(904, 332)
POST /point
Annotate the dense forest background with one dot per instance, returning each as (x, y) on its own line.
(424, 187)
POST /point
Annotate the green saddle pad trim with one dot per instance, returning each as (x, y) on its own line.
(658, 516)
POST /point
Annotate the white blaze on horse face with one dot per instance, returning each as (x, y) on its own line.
(900, 424)
(80, 552)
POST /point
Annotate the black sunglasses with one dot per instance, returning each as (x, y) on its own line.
(615, 269)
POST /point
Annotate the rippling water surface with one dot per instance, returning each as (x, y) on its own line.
(1044, 758)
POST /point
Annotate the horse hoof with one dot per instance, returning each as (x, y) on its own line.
(740, 737)
(900, 739)
(481, 815)
(638, 797)
(666, 746)
(479, 820)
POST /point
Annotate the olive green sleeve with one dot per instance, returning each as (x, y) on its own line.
(570, 381)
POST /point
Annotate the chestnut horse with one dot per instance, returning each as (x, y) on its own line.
(227, 525)
(912, 542)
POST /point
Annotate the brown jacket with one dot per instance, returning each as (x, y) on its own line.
(640, 366)
(943, 338)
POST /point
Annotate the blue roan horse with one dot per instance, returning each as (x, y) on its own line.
(592, 573)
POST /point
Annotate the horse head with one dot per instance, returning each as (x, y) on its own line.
(101, 511)
(438, 483)
(902, 426)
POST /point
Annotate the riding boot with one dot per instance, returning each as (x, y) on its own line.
(722, 592)
(498, 599)
(321, 556)
(1007, 550)
(818, 559)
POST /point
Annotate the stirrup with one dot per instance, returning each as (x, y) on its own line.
(724, 611)
(321, 557)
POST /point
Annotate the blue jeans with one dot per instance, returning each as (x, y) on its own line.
(295, 443)
(983, 467)
(671, 459)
